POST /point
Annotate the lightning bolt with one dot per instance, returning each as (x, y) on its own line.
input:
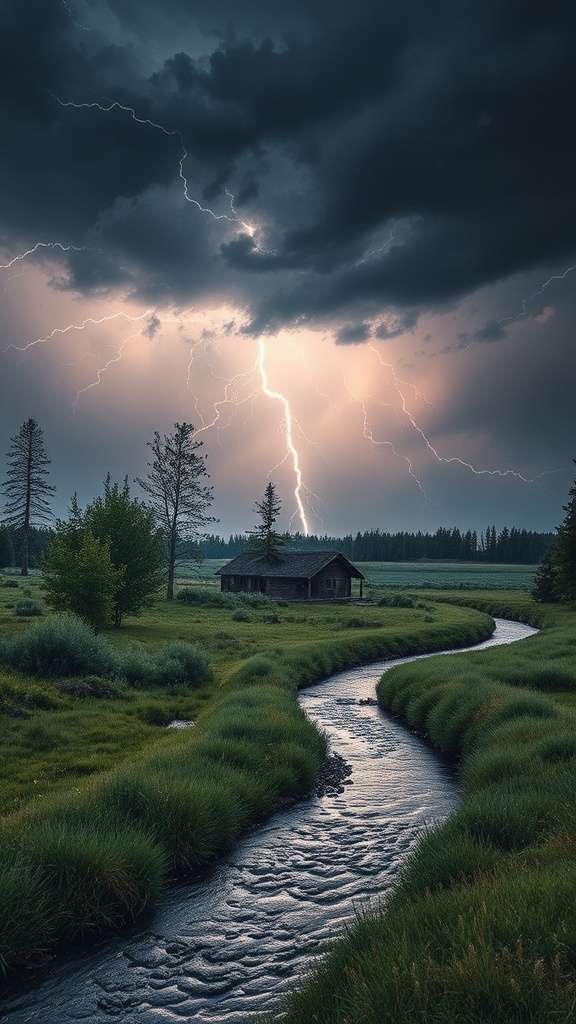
(102, 370)
(95, 321)
(234, 218)
(255, 380)
(397, 383)
(541, 290)
(41, 245)
(288, 424)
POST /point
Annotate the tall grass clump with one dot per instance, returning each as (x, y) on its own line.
(27, 922)
(191, 818)
(69, 871)
(61, 646)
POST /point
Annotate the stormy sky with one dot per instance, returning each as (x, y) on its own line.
(339, 238)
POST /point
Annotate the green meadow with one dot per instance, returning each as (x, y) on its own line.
(101, 804)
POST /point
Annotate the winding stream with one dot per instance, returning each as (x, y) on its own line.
(226, 947)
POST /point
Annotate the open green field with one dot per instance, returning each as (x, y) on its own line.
(52, 738)
(448, 575)
(421, 575)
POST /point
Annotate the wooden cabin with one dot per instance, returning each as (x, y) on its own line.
(296, 576)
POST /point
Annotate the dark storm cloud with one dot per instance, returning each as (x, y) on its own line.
(395, 326)
(353, 334)
(399, 155)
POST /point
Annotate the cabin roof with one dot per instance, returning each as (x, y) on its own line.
(292, 565)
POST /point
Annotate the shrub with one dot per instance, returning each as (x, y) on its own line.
(27, 607)
(136, 667)
(240, 615)
(60, 647)
(205, 596)
(12, 584)
(397, 601)
(180, 662)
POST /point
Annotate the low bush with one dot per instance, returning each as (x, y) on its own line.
(136, 667)
(212, 598)
(397, 601)
(206, 597)
(240, 615)
(59, 647)
(181, 662)
(177, 664)
(28, 608)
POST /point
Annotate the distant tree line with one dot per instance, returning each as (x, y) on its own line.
(514, 546)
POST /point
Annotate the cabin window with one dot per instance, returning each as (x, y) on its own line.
(329, 584)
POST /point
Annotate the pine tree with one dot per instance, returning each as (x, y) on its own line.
(264, 540)
(6, 548)
(545, 587)
(26, 489)
(565, 550)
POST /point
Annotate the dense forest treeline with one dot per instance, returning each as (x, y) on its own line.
(520, 547)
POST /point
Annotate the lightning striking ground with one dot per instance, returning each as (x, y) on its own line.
(288, 424)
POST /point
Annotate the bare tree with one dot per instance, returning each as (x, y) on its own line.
(178, 496)
(25, 488)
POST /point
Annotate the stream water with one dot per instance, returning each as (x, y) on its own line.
(226, 947)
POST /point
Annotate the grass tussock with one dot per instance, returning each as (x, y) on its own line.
(480, 925)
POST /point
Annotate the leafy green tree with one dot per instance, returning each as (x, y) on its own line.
(6, 548)
(136, 548)
(264, 540)
(26, 489)
(79, 575)
(179, 499)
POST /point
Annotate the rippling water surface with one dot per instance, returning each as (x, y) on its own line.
(226, 947)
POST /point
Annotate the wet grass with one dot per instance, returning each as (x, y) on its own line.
(480, 924)
(102, 806)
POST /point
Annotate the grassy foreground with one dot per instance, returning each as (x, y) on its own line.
(481, 924)
(103, 806)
